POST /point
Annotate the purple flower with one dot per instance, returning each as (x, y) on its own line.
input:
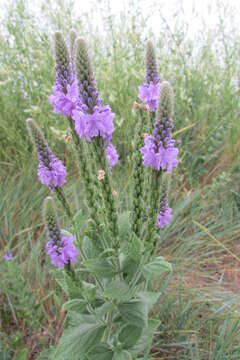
(8, 256)
(165, 213)
(159, 151)
(164, 218)
(63, 251)
(156, 156)
(148, 94)
(112, 155)
(52, 173)
(64, 103)
(99, 123)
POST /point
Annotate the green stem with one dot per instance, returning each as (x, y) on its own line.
(153, 207)
(61, 197)
(138, 177)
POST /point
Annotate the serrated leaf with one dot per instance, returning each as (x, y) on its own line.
(122, 355)
(124, 225)
(146, 337)
(100, 267)
(78, 220)
(101, 352)
(77, 305)
(89, 290)
(135, 248)
(117, 290)
(129, 336)
(102, 310)
(155, 268)
(79, 340)
(90, 248)
(135, 312)
(150, 298)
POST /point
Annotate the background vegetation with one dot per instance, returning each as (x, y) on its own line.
(199, 307)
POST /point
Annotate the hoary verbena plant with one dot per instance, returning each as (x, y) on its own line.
(107, 266)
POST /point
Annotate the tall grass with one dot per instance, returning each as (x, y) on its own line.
(200, 312)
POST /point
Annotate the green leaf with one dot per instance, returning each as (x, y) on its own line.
(135, 312)
(146, 337)
(122, 355)
(135, 248)
(78, 220)
(79, 340)
(77, 305)
(101, 352)
(99, 267)
(90, 248)
(117, 290)
(102, 310)
(89, 290)
(129, 336)
(124, 225)
(155, 268)
(150, 298)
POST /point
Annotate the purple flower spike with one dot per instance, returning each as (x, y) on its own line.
(159, 151)
(64, 103)
(62, 253)
(148, 94)
(99, 123)
(53, 174)
(164, 218)
(51, 171)
(150, 153)
(112, 155)
(165, 213)
(8, 256)
(60, 246)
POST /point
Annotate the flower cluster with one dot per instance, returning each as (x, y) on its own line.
(112, 155)
(158, 156)
(65, 91)
(51, 170)
(165, 213)
(60, 246)
(148, 94)
(63, 251)
(98, 123)
(64, 102)
(158, 150)
(149, 90)
(52, 173)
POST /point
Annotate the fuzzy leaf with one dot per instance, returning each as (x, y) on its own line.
(77, 305)
(122, 355)
(101, 352)
(76, 342)
(117, 290)
(150, 298)
(102, 310)
(135, 312)
(155, 268)
(129, 336)
(89, 290)
(90, 248)
(99, 267)
(146, 337)
(78, 220)
(135, 248)
(124, 225)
